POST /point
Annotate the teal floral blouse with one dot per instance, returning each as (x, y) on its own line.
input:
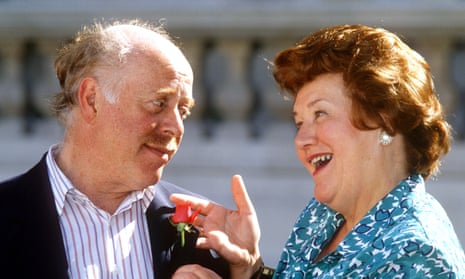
(405, 235)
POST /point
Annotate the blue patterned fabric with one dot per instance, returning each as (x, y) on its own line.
(405, 235)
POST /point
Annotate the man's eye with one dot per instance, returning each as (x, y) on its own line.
(185, 112)
(159, 103)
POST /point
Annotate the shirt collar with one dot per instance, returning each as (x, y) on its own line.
(62, 186)
(59, 182)
(388, 210)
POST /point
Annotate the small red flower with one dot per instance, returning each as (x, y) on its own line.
(183, 218)
(184, 214)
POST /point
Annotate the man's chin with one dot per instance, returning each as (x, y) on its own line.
(156, 177)
(149, 174)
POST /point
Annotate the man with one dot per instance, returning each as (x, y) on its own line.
(94, 206)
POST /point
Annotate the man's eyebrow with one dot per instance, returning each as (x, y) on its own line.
(167, 91)
(190, 102)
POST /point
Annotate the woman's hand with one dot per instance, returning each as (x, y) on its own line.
(234, 234)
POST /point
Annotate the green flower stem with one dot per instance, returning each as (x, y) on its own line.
(182, 228)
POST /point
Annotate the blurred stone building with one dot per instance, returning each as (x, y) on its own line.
(227, 42)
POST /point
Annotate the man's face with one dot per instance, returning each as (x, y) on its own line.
(141, 132)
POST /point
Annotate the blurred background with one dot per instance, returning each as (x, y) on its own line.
(240, 124)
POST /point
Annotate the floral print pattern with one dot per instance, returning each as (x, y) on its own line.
(405, 235)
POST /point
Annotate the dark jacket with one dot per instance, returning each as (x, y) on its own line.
(31, 243)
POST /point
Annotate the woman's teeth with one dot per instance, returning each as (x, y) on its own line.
(321, 160)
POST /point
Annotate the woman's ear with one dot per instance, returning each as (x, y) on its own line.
(387, 124)
(87, 92)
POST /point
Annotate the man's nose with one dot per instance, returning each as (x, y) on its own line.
(172, 123)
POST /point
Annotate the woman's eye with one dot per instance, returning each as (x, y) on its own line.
(319, 113)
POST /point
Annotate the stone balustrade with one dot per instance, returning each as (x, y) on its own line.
(232, 78)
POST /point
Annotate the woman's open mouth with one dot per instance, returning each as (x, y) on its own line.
(321, 160)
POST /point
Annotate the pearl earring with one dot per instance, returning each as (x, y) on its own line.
(384, 138)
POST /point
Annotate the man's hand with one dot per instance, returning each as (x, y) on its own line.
(234, 234)
(194, 271)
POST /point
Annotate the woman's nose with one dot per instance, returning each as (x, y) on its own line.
(305, 136)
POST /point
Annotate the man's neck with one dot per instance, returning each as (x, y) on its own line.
(84, 177)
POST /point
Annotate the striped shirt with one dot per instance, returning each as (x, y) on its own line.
(97, 244)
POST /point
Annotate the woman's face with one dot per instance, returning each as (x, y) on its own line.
(340, 157)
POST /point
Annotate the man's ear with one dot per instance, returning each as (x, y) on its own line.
(87, 98)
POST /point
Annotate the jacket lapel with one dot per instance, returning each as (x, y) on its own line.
(167, 252)
(162, 233)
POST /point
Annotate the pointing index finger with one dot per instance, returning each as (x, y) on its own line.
(240, 195)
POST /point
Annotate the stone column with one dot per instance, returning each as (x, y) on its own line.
(47, 85)
(279, 107)
(437, 53)
(10, 87)
(233, 96)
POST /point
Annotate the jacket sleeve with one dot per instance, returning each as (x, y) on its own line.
(31, 244)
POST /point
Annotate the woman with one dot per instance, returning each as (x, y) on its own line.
(370, 130)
